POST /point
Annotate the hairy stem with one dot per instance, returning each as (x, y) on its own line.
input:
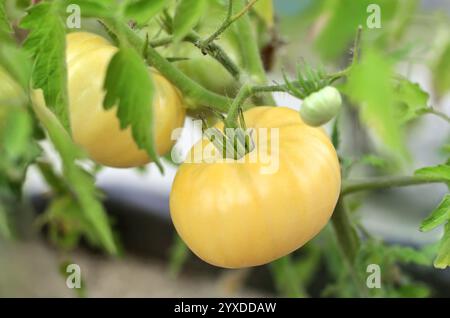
(228, 21)
(216, 52)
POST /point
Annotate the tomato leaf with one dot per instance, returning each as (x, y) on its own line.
(142, 11)
(411, 99)
(440, 171)
(439, 216)
(443, 259)
(129, 83)
(188, 14)
(81, 185)
(93, 8)
(369, 86)
(46, 45)
(5, 26)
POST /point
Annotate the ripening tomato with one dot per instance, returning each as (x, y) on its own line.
(241, 213)
(97, 130)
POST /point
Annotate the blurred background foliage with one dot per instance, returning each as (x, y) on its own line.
(381, 132)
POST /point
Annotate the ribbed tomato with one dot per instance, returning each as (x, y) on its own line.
(240, 214)
(98, 131)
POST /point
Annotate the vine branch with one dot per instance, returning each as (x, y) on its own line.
(230, 19)
(353, 186)
(190, 89)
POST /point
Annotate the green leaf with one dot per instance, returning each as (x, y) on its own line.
(411, 99)
(342, 19)
(443, 259)
(407, 255)
(441, 72)
(128, 82)
(286, 277)
(93, 8)
(17, 133)
(5, 26)
(187, 16)
(438, 172)
(46, 45)
(439, 216)
(373, 161)
(369, 86)
(16, 63)
(81, 184)
(179, 254)
(6, 231)
(142, 11)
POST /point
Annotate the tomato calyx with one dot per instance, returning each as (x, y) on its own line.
(233, 143)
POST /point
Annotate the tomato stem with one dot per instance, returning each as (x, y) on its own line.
(349, 242)
(353, 186)
(230, 19)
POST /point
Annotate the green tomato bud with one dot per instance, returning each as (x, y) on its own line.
(320, 107)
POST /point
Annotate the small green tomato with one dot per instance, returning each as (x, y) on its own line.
(320, 107)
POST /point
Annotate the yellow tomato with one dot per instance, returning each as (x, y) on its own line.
(240, 214)
(98, 131)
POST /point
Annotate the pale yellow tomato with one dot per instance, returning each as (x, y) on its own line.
(98, 131)
(240, 214)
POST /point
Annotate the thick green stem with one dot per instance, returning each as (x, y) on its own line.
(349, 243)
(188, 87)
(250, 53)
(353, 186)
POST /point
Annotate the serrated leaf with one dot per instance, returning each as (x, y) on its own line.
(46, 45)
(443, 259)
(188, 14)
(128, 83)
(411, 99)
(369, 86)
(439, 172)
(439, 216)
(142, 11)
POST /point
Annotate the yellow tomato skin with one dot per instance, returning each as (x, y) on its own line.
(233, 216)
(97, 130)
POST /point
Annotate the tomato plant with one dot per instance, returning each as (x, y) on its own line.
(113, 81)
